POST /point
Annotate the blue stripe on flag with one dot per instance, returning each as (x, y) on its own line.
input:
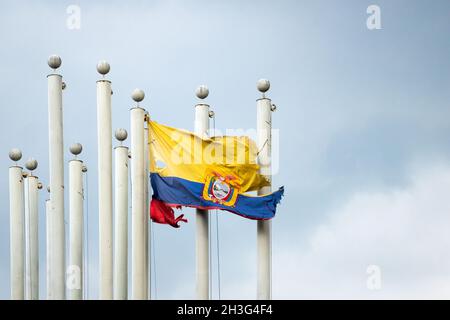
(178, 191)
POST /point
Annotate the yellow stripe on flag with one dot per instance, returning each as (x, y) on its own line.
(180, 153)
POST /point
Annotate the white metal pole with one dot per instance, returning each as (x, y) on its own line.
(264, 227)
(31, 236)
(121, 219)
(56, 158)
(75, 285)
(146, 214)
(104, 131)
(138, 267)
(17, 238)
(48, 243)
(202, 216)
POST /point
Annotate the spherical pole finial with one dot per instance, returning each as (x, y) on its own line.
(121, 134)
(31, 164)
(138, 95)
(76, 149)
(15, 154)
(54, 61)
(103, 67)
(263, 86)
(202, 92)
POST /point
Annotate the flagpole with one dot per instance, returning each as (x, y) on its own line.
(56, 158)
(104, 93)
(17, 238)
(47, 248)
(202, 216)
(146, 212)
(138, 262)
(31, 232)
(121, 218)
(76, 223)
(264, 227)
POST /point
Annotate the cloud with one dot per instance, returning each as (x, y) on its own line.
(403, 231)
(353, 108)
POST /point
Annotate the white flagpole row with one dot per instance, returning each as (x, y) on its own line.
(23, 211)
(113, 273)
(24, 229)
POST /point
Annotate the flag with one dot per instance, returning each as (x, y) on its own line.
(206, 173)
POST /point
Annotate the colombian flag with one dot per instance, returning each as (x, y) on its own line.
(205, 173)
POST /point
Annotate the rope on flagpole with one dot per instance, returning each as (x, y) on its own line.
(152, 231)
(209, 242)
(217, 233)
(262, 148)
(210, 258)
(218, 252)
(210, 223)
(86, 256)
(130, 178)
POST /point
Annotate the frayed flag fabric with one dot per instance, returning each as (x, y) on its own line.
(163, 213)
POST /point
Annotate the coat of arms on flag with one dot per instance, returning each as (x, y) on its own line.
(219, 189)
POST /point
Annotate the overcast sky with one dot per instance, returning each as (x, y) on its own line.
(363, 118)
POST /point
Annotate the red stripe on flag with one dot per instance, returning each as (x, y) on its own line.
(160, 212)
